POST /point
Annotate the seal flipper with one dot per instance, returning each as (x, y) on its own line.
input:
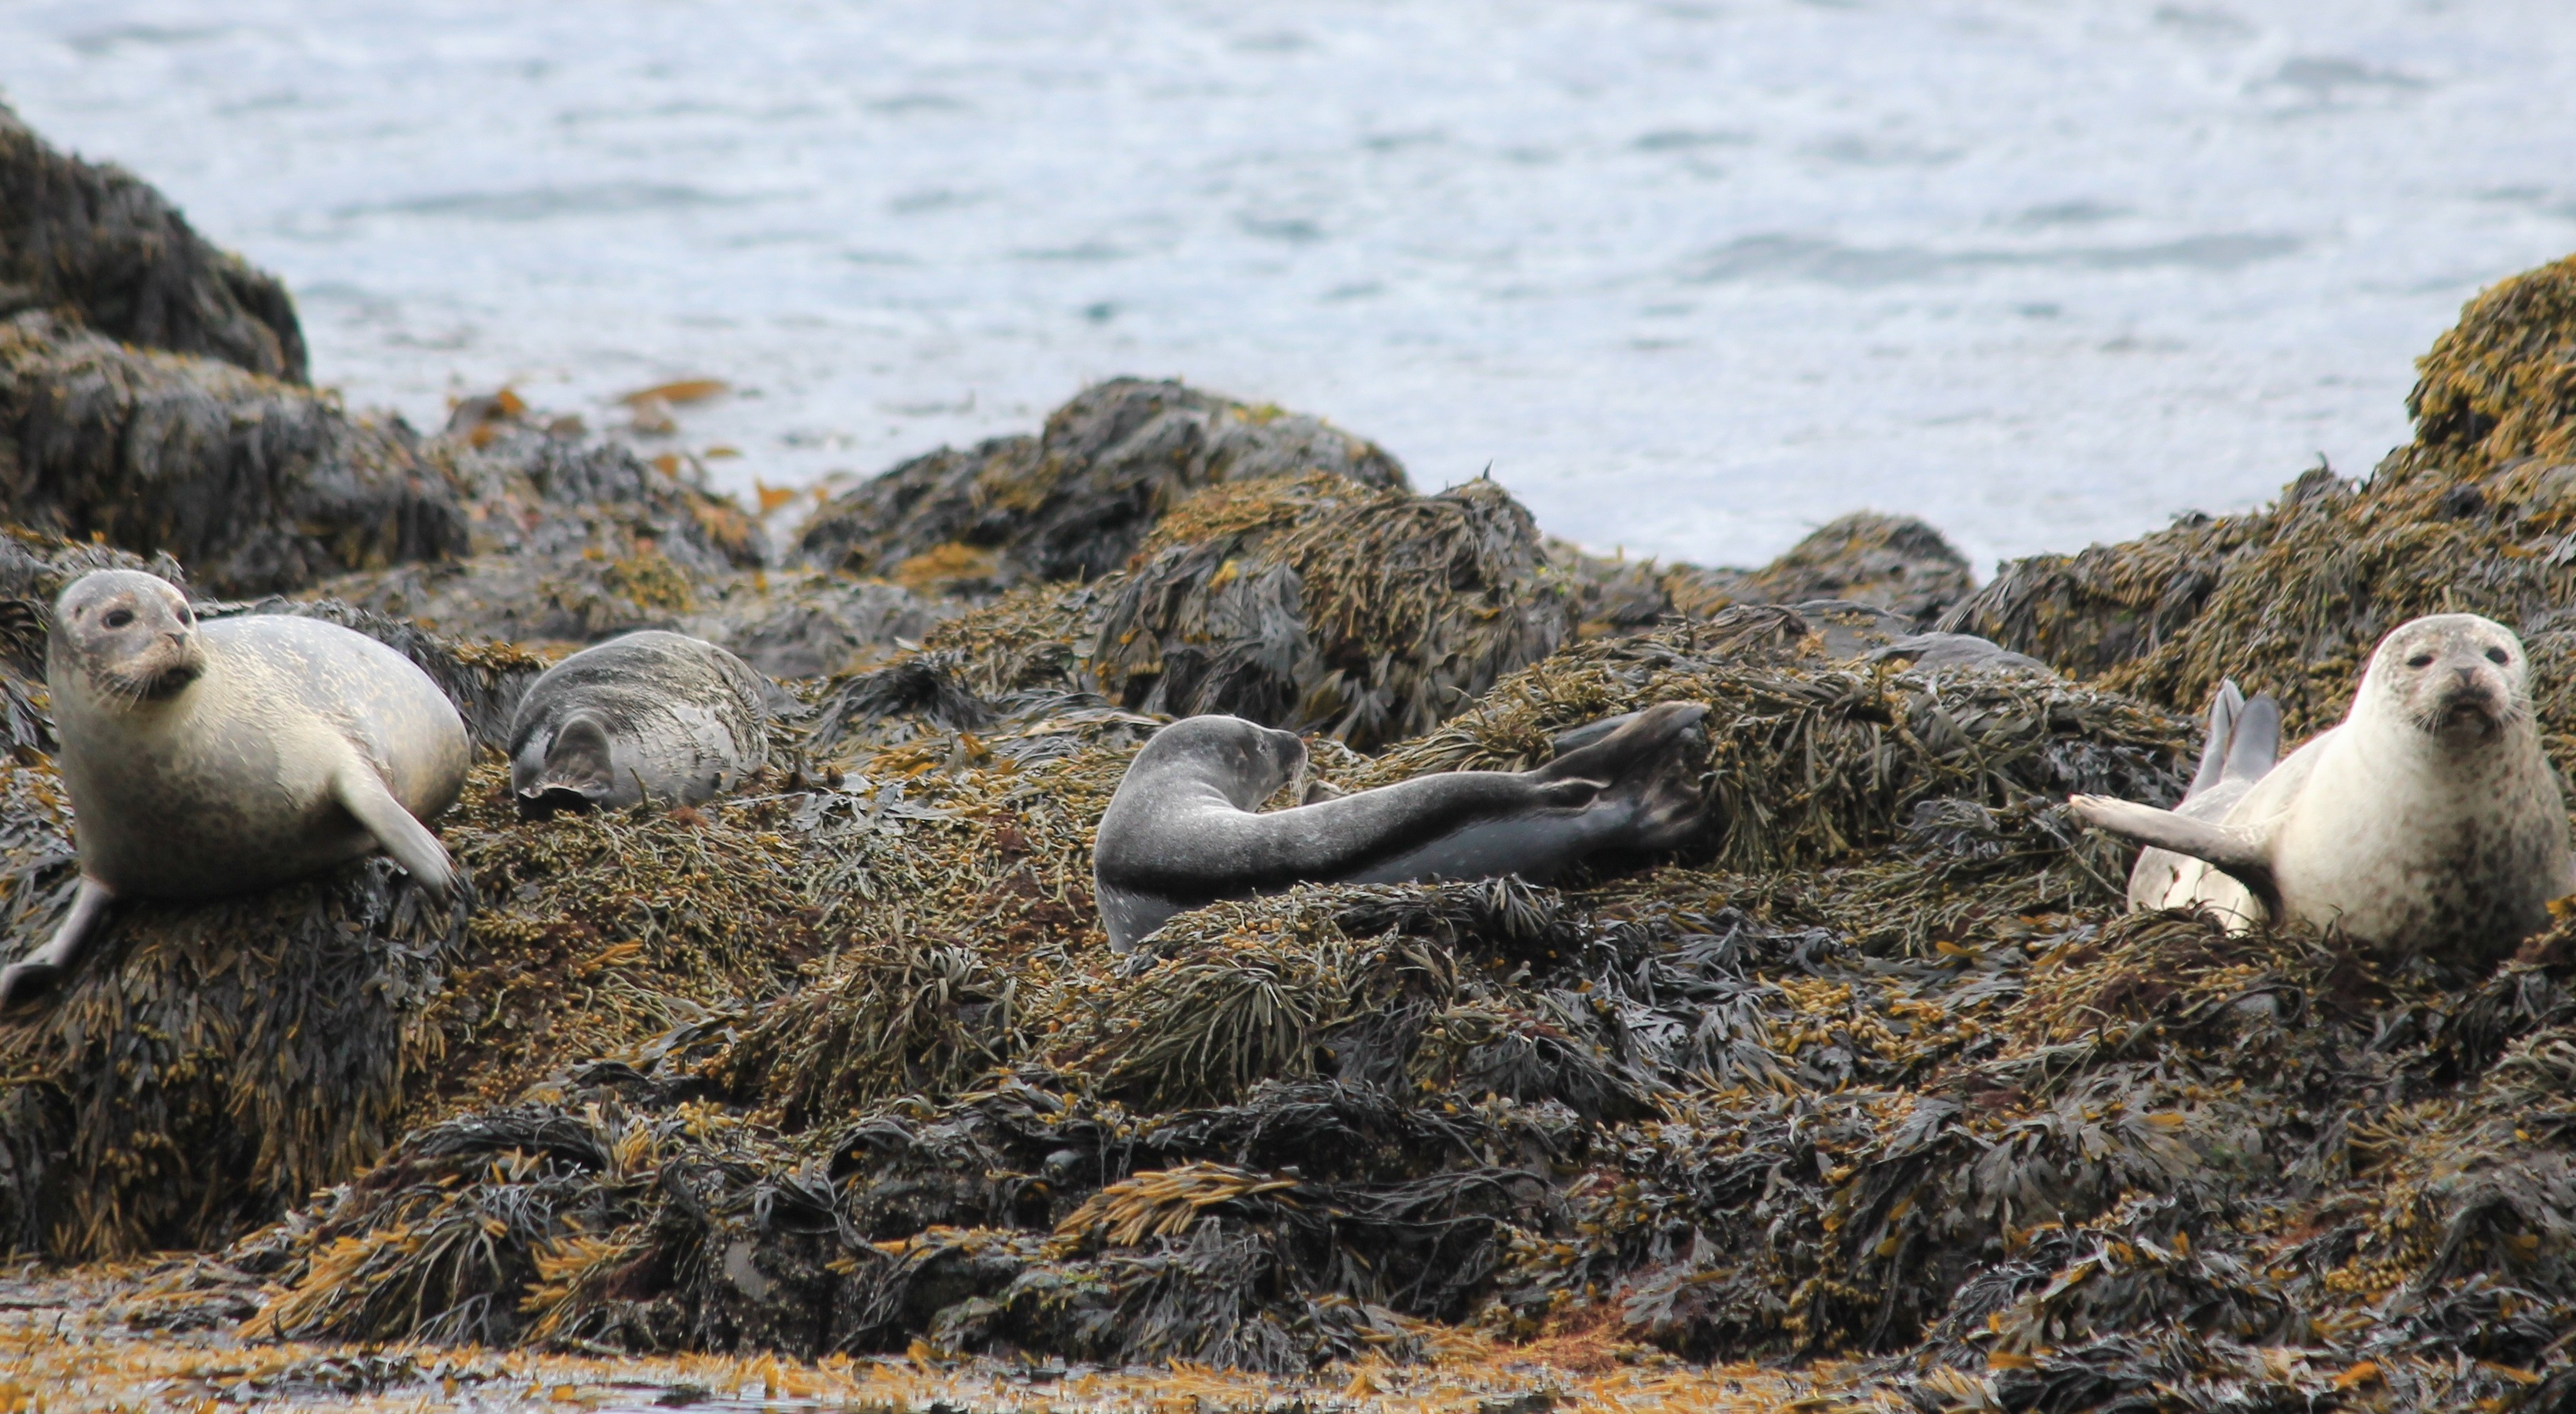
(1638, 737)
(2254, 748)
(2231, 850)
(579, 773)
(2224, 709)
(44, 968)
(362, 793)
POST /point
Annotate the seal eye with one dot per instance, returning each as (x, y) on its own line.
(2420, 660)
(119, 618)
(2498, 655)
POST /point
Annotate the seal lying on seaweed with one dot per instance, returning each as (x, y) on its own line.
(2428, 820)
(652, 715)
(1181, 831)
(230, 756)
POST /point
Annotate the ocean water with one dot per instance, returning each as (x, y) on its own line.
(1689, 277)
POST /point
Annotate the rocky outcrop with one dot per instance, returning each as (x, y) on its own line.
(255, 484)
(1075, 501)
(98, 245)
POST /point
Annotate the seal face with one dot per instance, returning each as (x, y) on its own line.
(1181, 830)
(228, 756)
(652, 715)
(2428, 820)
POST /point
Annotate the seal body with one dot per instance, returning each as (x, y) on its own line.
(2427, 820)
(225, 757)
(1181, 830)
(651, 715)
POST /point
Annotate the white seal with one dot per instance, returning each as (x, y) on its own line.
(226, 757)
(2428, 820)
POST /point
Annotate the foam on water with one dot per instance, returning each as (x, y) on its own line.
(1691, 277)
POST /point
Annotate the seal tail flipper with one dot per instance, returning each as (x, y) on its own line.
(2232, 851)
(1639, 737)
(362, 793)
(42, 969)
(2224, 709)
(2255, 746)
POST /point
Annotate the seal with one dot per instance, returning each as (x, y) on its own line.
(652, 715)
(2244, 744)
(1181, 830)
(2428, 820)
(229, 756)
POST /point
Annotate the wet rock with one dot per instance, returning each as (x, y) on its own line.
(96, 244)
(1896, 563)
(255, 484)
(1320, 604)
(1075, 501)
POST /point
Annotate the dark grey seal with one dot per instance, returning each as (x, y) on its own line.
(1181, 831)
(652, 715)
(226, 757)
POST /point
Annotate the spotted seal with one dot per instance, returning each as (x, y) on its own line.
(227, 756)
(1181, 830)
(650, 715)
(2427, 820)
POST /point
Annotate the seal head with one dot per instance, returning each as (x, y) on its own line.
(130, 635)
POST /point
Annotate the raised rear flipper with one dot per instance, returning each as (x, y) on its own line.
(2233, 851)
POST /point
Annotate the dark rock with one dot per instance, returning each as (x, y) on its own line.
(255, 484)
(99, 244)
(1893, 562)
(1076, 501)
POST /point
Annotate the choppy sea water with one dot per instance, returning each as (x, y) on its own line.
(1691, 277)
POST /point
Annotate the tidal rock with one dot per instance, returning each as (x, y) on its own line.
(99, 244)
(1893, 562)
(1077, 500)
(255, 484)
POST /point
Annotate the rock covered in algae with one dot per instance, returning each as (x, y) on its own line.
(99, 245)
(1897, 566)
(257, 485)
(1318, 604)
(1076, 500)
(2474, 515)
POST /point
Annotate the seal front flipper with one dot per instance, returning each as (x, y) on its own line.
(362, 793)
(43, 969)
(2234, 851)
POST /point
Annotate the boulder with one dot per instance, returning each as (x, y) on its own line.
(99, 245)
(254, 483)
(1075, 501)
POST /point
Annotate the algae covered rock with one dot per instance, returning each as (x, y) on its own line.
(97, 244)
(1321, 604)
(2472, 516)
(1075, 501)
(256, 485)
(1895, 563)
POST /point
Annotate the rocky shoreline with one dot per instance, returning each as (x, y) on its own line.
(1875, 1084)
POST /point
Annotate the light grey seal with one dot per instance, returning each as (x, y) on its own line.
(1181, 831)
(651, 715)
(2428, 820)
(2244, 744)
(225, 757)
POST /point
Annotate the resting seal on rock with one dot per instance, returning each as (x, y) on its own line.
(225, 757)
(2427, 820)
(651, 715)
(1181, 831)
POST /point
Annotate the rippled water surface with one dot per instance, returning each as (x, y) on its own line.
(1690, 277)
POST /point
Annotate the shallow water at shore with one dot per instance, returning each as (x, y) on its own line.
(1692, 278)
